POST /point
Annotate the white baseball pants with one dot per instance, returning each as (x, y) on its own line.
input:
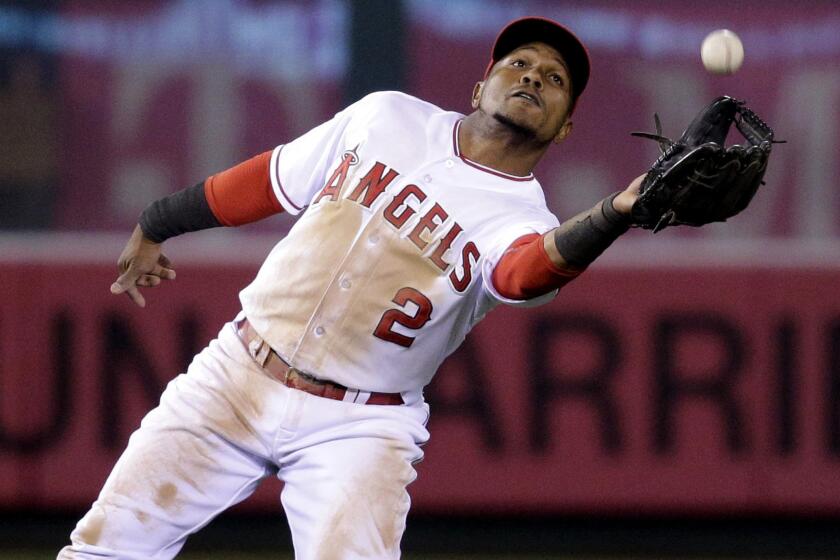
(223, 427)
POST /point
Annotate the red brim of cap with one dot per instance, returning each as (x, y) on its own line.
(537, 29)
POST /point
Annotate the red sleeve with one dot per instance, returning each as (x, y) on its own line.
(243, 193)
(525, 270)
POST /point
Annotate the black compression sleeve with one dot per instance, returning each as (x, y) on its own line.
(180, 212)
(583, 238)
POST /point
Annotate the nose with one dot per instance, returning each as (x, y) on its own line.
(532, 77)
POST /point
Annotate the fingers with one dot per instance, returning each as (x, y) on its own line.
(148, 281)
(132, 292)
(141, 265)
(136, 296)
(636, 184)
(124, 282)
(164, 268)
(130, 280)
(161, 272)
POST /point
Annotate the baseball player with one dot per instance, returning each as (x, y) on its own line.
(414, 223)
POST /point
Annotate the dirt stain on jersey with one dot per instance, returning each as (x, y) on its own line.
(389, 502)
(398, 265)
(193, 458)
(240, 423)
(92, 530)
(254, 392)
(184, 471)
(176, 456)
(369, 519)
(166, 494)
(365, 277)
(295, 291)
(234, 413)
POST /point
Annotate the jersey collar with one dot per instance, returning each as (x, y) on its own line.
(477, 165)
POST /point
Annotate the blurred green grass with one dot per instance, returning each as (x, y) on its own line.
(34, 535)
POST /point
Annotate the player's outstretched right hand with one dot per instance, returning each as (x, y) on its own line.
(141, 264)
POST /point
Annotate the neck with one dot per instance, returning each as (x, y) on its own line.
(499, 145)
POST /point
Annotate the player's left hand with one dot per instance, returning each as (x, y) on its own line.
(141, 264)
(623, 203)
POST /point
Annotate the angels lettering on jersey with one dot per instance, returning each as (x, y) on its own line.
(389, 265)
(397, 208)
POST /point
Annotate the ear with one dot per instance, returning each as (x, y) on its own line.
(476, 94)
(565, 130)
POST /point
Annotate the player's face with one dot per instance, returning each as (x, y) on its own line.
(529, 89)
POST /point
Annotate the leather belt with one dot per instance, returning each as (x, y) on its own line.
(277, 368)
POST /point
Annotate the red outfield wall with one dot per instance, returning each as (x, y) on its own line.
(681, 389)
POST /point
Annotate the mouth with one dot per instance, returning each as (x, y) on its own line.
(529, 97)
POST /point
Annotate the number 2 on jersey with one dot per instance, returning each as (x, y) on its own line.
(384, 329)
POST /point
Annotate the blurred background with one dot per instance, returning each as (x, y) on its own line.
(681, 399)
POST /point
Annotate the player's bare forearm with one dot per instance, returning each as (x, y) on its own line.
(141, 264)
(580, 240)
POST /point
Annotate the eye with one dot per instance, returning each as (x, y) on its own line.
(558, 79)
(519, 63)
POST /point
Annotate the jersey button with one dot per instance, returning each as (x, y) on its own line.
(449, 164)
(345, 283)
(427, 178)
(319, 331)
(373, 239)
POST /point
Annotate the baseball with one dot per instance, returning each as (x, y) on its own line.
(722, 52)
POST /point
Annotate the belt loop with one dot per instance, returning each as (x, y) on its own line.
(280, 370)
(259, 350)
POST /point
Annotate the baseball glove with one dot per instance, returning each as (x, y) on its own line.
(697, 179)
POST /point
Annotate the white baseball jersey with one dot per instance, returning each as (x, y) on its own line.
(381, 277)
(390, 264)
